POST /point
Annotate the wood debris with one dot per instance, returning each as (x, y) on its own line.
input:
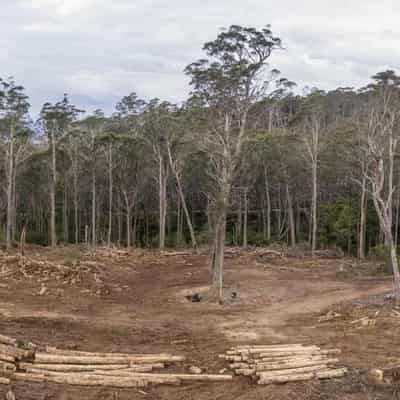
(284, 363)
(329, 316)
(73, 367)
(39, 272)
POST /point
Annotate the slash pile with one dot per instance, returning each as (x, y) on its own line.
(283, 363)
(89, 369)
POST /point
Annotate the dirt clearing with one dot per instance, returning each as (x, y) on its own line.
(140, 302)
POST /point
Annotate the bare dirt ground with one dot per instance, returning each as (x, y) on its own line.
(138, 304)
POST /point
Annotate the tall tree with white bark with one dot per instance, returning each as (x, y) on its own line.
(228, 83)
(14, 107)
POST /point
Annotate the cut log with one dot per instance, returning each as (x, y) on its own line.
(331, 373)
(18, 354)
(55, 350)
(299, 364)
(288, 350)
(88, 367)
(134, 376)
(186, 377)
(8, 358)
(285, 353)
(293, 371)
(297, 357)
(8, 340)
(82, 380)
(176, 253)
(245, 371)
(7, 366)
(257, 346)
(46, 358)
(4, 381)
(286, 378)
(325, 374)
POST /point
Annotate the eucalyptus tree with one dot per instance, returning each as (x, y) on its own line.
(228, 83)
(92, 128)
(312, 132)
(126, 125)
(155, 134)
(381, 117)
(180, 145)
(14, 107)
(56, 121)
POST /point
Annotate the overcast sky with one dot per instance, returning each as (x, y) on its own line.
(100, 50)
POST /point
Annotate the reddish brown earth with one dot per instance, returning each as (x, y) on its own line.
(141, 307)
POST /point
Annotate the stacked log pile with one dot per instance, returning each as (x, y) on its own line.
(90, 369)
(283, 363)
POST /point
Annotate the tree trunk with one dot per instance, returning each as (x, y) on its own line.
(110, 194)
(363, 219)
(390, 184)
(314, 208)
(396, 231)
(65, 213)
(292, 226)
(182, 198)
(268, 201)
(218, 255)
(245, 218)
(53, 182)
(395, 266)
(94, 242)
(128, 219)
(10, 173)
(162, 180)
(76, 205)
(178, 223)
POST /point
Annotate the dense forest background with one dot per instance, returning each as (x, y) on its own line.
(317, 169)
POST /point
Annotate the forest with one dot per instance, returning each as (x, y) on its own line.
(245, 236)
(248, 153)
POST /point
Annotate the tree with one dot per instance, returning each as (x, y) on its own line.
(56, 120)
(92, 128)
(14, 107)
(227, 85)
(382, 124)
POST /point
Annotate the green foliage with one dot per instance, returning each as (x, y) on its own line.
(255, 238)
(381, 253)
(338, 224)
(38, 238)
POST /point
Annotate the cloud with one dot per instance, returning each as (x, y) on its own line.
(100, 50)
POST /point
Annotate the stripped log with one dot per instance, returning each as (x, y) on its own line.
(8, 340)
(288, 350)
(325, 374)
(7, 358)
(331, 373)
(149, 378)
(286, 378)
(46, 358)
(4, 381)
(55, 350)
(69, 367)
(297, 364)
(294, 371)
(258, 346)
(18, 354)
(82, 380)
(88, 367)
(7, 366)
(310, 357)
(181, 377)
